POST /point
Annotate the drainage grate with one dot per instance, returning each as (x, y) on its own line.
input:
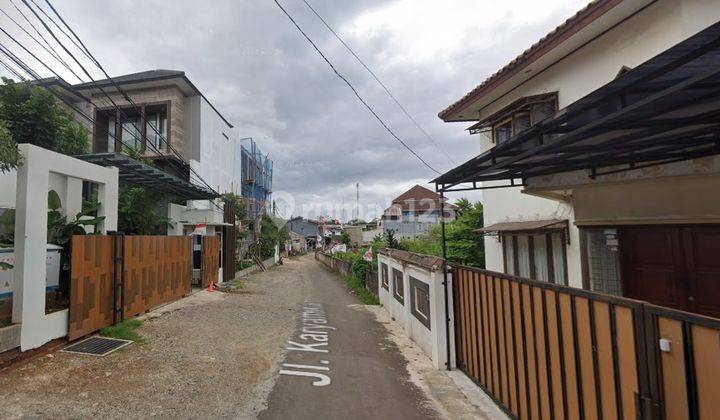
(97, 346)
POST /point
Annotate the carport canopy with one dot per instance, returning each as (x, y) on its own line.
(664, 110)
(137, 173)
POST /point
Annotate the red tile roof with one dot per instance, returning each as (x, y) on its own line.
(420, 199)
(581, 19)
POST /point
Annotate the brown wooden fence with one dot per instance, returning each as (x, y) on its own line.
(210, 260)
(153, 269)
(544, 351)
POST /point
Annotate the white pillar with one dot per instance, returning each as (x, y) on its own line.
(108, 198)
(30, 240)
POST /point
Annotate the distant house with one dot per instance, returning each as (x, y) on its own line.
(414, 211)
(306, 229)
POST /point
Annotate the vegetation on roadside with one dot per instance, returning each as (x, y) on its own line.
(124, 330)
(464, 244)
(358, 287)
(270, 235)
(139, 212)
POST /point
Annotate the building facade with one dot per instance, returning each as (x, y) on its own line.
(413, 212)
(594, 178)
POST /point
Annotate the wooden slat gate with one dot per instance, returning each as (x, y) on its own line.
(544, 351)
(116, 276)
(210, 260)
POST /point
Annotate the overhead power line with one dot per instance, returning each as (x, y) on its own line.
(87, 52)
(357, 94)
(377, 79)
(36, 77)
(43, 82)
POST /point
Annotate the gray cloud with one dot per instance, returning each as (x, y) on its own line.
(253, 65)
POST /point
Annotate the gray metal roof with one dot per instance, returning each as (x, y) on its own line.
(136, 173)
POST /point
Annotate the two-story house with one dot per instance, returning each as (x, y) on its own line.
(414, 211)
(169, 121)
(599, 154)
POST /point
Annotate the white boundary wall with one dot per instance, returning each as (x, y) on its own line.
(33, 182)
(431, 340)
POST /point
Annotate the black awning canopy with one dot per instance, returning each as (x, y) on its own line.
(663, 111)
(134, 172)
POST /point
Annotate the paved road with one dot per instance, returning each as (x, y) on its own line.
(339, 363)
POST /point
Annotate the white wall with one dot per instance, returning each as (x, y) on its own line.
(33, 183)
(213, 148)
(431, 340)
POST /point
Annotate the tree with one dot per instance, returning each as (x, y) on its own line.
(463, 243)
(33, 115)
(138, 212)
(10, 157)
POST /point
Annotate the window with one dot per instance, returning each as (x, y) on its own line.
(384, 274)
(156, 126)
(601, 260)
(521, 115)
(141, 128)
(420, 301)
(536, 256)
(502, 132)
(130, 130)
(398, 286)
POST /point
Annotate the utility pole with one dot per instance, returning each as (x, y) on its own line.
(357, 202)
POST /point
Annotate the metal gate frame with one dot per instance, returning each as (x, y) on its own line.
(486, 349)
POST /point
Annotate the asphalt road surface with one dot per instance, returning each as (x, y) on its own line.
(339, 362)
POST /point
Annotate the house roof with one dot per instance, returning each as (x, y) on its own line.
(152, 76)
(574, 24)
(664, 110)
(421, 260)
(419, 198)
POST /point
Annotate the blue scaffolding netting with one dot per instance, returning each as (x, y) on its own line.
(257, 172)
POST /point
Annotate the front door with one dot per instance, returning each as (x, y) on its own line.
(678, 267)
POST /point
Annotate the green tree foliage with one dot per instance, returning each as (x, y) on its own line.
(138, 212)
(33, 115)
(270, 235)
(10, 157)
(464, 244)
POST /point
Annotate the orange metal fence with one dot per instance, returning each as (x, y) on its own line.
(116, 276)
(544, 351)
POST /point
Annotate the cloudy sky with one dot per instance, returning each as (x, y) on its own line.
(250, 61)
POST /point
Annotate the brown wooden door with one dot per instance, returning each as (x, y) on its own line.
(702, 250)
(678, 267)
(653, 266)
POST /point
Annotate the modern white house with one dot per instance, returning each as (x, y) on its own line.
(599, 154)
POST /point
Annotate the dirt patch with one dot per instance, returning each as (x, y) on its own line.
(209, 355)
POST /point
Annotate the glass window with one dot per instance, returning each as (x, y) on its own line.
(521, 121)
(558, 252)
(502, 132)
(548, 263)
(111, 135)
(156, 127)
(523, 250)
(542, 110)
(509, 254)
(602, 260)
(540, 257)
(131, 131)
